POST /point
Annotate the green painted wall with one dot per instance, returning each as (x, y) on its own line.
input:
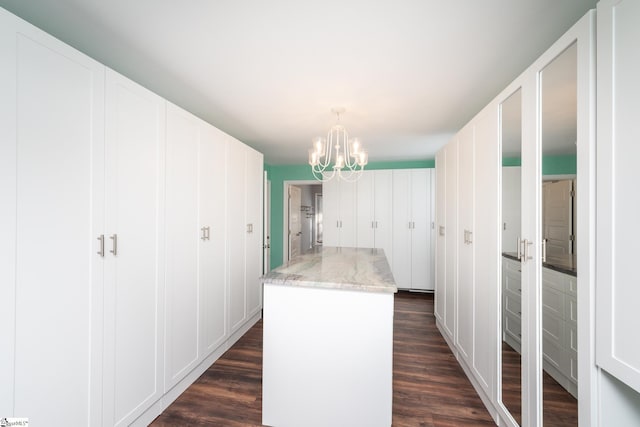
(278, 174)
(551, 165)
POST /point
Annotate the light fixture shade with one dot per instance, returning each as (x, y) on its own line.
(319, 145)
(355, 147)
(362, 158)
(314, 157)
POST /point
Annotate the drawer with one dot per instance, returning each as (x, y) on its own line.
(512, 304)
(556, 356)
(511, 325)
(512, 282)
(553, 301)
(553, 329)
(560, 281)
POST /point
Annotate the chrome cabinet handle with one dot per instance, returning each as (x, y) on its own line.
(469, 237)
(114, 244)
(101, 250)
(544, 250)
(204, 233)
(441, 230)
(208, 233)
(519, 248)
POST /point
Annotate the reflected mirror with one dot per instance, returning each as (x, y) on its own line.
(558, 113)
(511, 362)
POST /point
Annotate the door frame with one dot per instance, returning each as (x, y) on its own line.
(285, 212)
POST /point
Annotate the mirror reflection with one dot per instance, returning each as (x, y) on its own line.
(511, 137)
(558, 218)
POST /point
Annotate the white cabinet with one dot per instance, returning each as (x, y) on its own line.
(339, 213)
(244, 232)
(374, 211)
(195, 243)
(412, 225)
(133, 260)
(52, 192)
(618, 197)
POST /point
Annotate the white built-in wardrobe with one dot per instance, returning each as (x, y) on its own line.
(468, 303)
(131, 239)
(390, 209)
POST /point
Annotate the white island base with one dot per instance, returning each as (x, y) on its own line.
(328, 357)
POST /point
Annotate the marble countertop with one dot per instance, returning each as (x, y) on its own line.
(359, 269)
(564, 264)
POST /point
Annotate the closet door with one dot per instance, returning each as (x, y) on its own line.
(134, 277)
(618, 198)
(236, 232)
(182, 244)
(421, 230)
(383, 212)
(212, 181)
(51, 158)
(440, 230)
(331, 213)
(347, 209)
(253, 195)
(402, 228)
(365, 195)
(451, 238)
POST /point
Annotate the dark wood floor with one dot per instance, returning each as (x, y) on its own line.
(429, 387)
(559, 407)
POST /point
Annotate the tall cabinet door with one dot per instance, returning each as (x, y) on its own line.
(618, 198)
(365, 210)
(402, 228)
(134, 278)
(212, 181)
(421, 230)
(331, 213)
(347, 208)
(51, 158)
(440, 231)
(236, 232)
(466, 156)
(182, 244)
(253, 195)
(383, 212)
(451, 238)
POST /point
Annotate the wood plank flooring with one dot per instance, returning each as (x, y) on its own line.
(429, 387)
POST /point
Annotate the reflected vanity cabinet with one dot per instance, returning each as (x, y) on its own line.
(112, 256)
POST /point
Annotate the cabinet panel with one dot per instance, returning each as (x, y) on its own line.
(383, 212)
(182, 287)
(440, 264)
(253, 197)
(134, 279)
(402, 228)
(365, 195)
(451, 237)
(331, 213)
(421, 230)
(57, 199)
(347, 206)
(236, 234)
(212, 182)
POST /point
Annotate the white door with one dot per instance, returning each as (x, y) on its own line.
(347, 210)
(236, 232)
(266, 261)
(295, 222)
(365, 222)
(465, 238)
(402, 228)
(212, 250)
(253, 255)
(451, 236)
(618, 204)
(331, 213)
(421, 230)
(383, 212)
(557, 216)
(51, 157)
(134, 285)
(182, 233)
(440, 231)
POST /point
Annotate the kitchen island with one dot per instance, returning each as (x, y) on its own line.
(328, 340)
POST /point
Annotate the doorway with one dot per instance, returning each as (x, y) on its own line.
(302, 217)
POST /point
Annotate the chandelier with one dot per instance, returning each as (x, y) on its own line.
(337, 155)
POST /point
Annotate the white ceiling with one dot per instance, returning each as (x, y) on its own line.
(409, 72)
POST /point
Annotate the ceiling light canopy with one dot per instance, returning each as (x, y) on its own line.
(337, 155)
